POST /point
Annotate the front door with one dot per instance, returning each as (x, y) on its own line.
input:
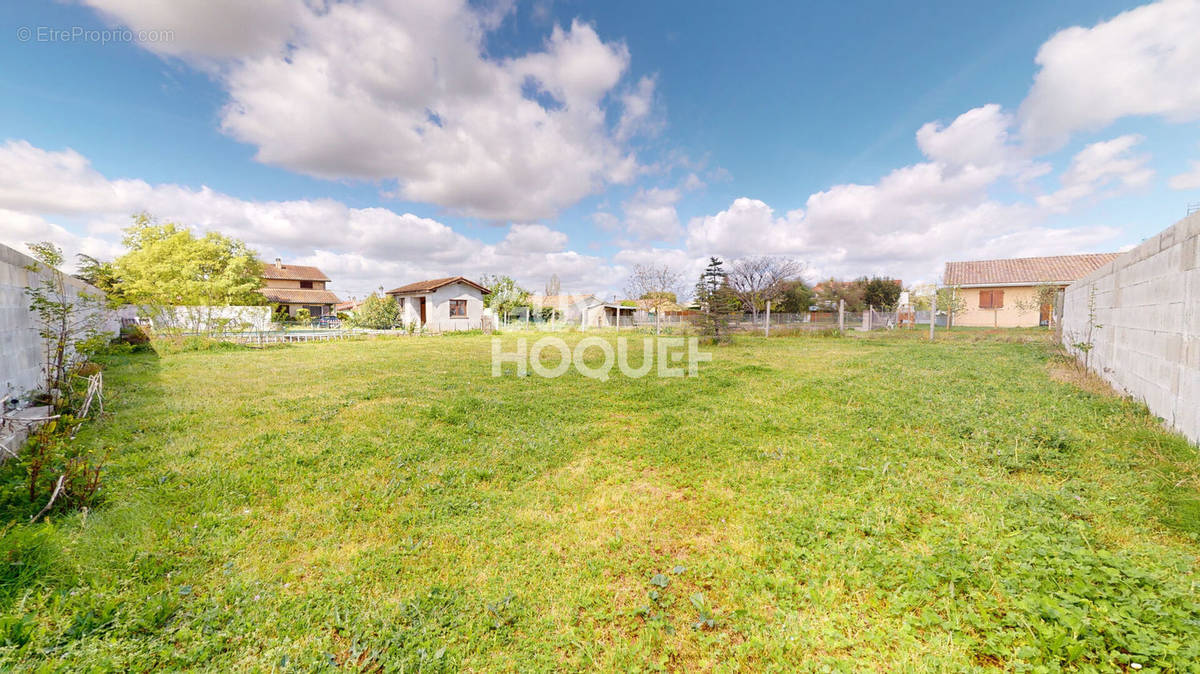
(1044, 318)
(422, 311)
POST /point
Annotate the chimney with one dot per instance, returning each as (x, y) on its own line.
(278, 263)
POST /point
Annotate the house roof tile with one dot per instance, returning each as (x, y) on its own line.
(299, 296)
(292, 272)
(433, 284)
(1055, 269)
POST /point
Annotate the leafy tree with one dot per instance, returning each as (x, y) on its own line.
(717, 301)
(304, 316)
(757, 280)
(66, 318)
(506, 295)
(377, 312)
(658, 285)
(169, 266)
(795, 297)
(667, 297)
(833, 291)
(880, 292)
(102, 275)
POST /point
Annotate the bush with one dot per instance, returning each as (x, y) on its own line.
(133, 334)
(378, 313)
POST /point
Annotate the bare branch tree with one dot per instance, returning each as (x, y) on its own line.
(758, 279)
(657, 285)
(553, 286)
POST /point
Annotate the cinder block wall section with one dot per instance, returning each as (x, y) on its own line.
(1146, 304)
(21, 349)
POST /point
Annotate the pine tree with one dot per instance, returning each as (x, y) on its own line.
(716, 300)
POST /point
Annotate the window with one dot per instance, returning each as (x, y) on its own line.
(991, 299)
(458, 308)
(306, 285)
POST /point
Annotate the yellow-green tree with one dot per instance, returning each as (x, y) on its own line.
(168, 265)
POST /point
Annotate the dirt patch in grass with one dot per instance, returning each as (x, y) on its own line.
(1070, 371)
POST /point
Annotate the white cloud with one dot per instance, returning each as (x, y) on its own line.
(206, 29)
(916, 217)
(638, 104)
(1141, 62)
(405, 91)
(360, 248)
(747, 227)
(1188, 180)
(1106, 164)
(978, 137)
(650, 214)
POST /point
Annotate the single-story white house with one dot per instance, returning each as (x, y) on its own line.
(442, 304)
(586, 311)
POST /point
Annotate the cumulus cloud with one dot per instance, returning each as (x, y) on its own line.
(405, 91)
(59, 196)
(1141, 62)
(650, 214)
(918, 216)
(1097, 167)
(978, 137)
(747, 227)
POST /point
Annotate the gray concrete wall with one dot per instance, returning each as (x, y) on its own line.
(1147, 306)
(21, 349)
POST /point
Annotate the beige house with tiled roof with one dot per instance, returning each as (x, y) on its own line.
(442, 304)
(297, 287)
(1004, 293)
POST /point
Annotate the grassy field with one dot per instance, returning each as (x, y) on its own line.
(808, 503)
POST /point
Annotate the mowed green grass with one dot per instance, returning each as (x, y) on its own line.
(830, 504)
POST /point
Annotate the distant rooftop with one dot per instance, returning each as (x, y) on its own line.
(1032, 270)
(433, 284)
(292, 272)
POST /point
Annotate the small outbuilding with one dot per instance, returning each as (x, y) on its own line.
(442, 304)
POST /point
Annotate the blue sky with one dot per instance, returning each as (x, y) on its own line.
(389, 142)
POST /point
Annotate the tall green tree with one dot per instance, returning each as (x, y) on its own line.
(506, 295)
(795, 297)
(881, 292)
(167, 265)
(717, 301)
(102, 275)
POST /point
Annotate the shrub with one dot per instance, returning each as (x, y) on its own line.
(378, 313)
(133, 334)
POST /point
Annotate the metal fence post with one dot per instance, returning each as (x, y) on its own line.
(933, 314)
(841, 315)
(767, 327)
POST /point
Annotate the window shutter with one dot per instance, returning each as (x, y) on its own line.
(985, 299)
(997, 299)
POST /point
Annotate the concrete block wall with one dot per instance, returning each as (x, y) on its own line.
(1146, 305)
(21, 349)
